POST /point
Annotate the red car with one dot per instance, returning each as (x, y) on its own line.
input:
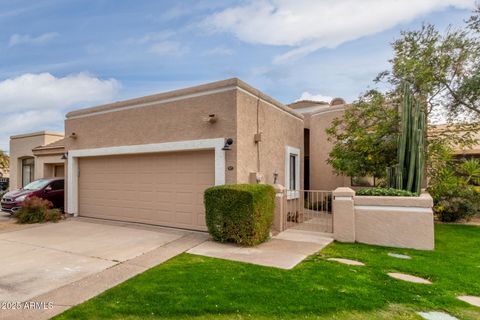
(50, 189)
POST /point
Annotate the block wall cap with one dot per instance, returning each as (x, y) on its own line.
(344, 192)
(422, 201)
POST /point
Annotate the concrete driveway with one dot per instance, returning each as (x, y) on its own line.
(37, 260)
(8, 223)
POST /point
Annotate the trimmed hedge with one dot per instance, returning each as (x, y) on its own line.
(241, 213)
(391, 192)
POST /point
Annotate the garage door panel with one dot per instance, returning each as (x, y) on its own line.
(163, 188)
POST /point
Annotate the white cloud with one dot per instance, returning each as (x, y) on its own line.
(171, 48)
(150, 37)
(18, 39)
(22, 121)
(315, 97)
(308, 25)
(43, 90)
(33, 102)
(159, 43)
(219, 51)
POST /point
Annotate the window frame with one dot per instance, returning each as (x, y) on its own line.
(293, 192)
(31, 166)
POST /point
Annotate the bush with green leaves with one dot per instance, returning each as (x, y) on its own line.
(454, 188)
(457, 204)
(390, 192)
(35, 210)
(241, 213)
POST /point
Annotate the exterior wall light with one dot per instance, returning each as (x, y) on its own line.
(275, 177)
(228, 144)
(212, 118)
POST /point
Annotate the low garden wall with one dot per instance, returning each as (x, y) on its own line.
(405, 222)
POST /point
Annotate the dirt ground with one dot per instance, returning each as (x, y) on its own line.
(8, 223)
(475, 220)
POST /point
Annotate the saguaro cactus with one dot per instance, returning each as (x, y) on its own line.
(407, 174)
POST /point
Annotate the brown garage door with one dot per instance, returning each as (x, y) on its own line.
(161, 188)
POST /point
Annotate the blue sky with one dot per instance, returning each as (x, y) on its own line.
(59, 55)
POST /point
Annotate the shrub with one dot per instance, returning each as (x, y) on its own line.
(454, 198)
(391, 192)
(240, 213)
(36, 210)
(461, 202)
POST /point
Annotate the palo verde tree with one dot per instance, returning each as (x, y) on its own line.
(365, 138)
(443, 69)
(443, 72)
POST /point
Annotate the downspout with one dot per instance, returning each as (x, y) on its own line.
(258, 131)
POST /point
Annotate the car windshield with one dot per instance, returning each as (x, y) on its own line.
(36, 185)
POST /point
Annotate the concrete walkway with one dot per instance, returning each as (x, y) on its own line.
(285, 250)
(72, 261)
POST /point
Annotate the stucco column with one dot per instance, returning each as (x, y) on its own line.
(279, 213)
(343, 215)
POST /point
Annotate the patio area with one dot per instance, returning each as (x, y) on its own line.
(284, 250)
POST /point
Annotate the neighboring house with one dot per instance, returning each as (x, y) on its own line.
(468, 152)
(149, 159)
(25, 166)
(318, 116)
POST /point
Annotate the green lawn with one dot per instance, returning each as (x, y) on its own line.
(193, 287)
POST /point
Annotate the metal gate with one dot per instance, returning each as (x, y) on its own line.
(309, 210)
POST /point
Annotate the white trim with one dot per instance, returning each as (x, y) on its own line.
(395, 209)
(328, 110)
(292, 193)
(204, 144)
(343, 198)
(182, 97)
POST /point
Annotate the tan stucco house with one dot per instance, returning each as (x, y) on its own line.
(25, 166)
(149, 159)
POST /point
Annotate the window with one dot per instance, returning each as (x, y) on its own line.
(57, 185)
(36, 185)
(28, 171)
(292, 172)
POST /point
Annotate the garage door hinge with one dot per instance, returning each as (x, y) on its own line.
(78, 173)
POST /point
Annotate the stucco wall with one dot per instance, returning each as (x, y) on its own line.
(160, 122)
(20, 147)
(44, 165)
(404, 222)
(322, 176)
(278, 128)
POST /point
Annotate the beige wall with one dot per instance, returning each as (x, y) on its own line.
(404, 222)
(20, 147)
(236, 113)
(445, 130)
(278, 128)
(322, 176)
(44, 165)
(163, 122)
